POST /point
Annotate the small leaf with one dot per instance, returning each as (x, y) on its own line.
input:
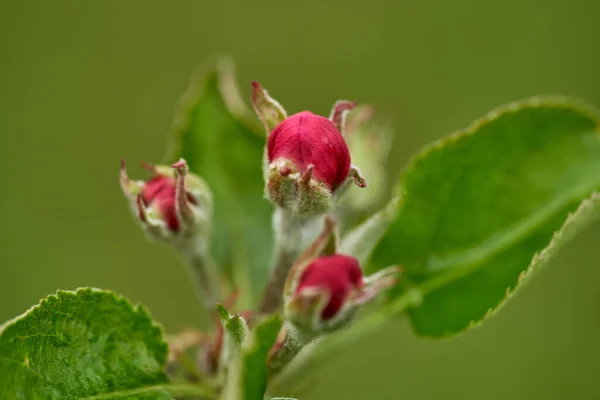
(479, 205)
(222, 141)
(87, 344)
(235, 326)
(248, 379)
(223, 313)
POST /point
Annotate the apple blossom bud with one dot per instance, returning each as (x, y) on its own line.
(307, 139)
(173, 203)
(339, 275)
(307, 158)
(330, 289)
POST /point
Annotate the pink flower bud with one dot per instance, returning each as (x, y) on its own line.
(307, 139)
(337, 275)
(160, 193)
(172, 202)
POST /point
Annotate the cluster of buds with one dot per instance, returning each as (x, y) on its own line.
(325, 288)
(307, 161)
(172, 205)
(307, 167)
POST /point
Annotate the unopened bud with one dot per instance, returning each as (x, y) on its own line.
(329, 290)
(173, 203)
(307, 159)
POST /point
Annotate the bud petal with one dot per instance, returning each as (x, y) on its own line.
(306, 138)
(325, 288)
(320, 301)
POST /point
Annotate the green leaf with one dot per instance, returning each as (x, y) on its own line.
(479, 205)
(87, 344)
(248, 379)
(235, 326)
(222, 142)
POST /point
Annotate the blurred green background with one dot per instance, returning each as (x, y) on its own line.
(83, 83)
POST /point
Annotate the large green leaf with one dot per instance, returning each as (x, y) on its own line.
(88, 344)
(308, 362)
(222, 142)
(480, 204)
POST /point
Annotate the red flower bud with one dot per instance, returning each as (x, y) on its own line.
(160, 192)
(170, 202)
(305, 139)
(337, 275)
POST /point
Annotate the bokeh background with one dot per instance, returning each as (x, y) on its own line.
(84, 83)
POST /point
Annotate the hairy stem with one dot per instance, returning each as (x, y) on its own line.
(292, 342)
(199, 265)
(288, 244)
(315, 355)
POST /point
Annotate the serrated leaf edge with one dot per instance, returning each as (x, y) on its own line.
(587, 212)
(550, 101)
(574, 223)
(137, 309)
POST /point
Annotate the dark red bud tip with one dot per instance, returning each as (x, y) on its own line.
(306, 138)
(339, 275)
(257, 92)
(339, 108)
(284, 171)
(181, 166)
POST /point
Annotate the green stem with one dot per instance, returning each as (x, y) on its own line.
(293, 341)
(309, 360)
(312, 357)
(199, 265)
(288, 244)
